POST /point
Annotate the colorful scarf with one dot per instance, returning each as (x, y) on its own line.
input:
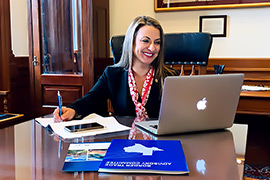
(140, 106)
(141, 112)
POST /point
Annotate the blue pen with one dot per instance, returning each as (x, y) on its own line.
(59, 103)
(60, 114)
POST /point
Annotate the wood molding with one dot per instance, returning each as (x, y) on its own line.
(5, 44)
(241, 64)
(20, 86)
(256, 70)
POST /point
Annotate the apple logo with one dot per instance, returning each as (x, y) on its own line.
(200, 165)
(201, 104)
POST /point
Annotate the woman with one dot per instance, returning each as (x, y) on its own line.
(134, 84)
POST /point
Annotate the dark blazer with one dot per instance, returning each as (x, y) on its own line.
(113, 85)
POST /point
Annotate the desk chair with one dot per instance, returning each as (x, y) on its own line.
(180, 49)
(116, 43)
(187, 49)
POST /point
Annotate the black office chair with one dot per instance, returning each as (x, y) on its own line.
(179, 49)
(191, 49)
(116, 43)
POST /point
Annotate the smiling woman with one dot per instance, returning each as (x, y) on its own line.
(134, 84)
(146, 49)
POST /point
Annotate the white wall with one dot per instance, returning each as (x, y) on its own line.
(19, 27)
(248, 28)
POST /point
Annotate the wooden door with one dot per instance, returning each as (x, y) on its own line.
(61, 51)
(5, 54)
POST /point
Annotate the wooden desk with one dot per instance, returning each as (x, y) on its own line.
(29, 151)
(254, 102)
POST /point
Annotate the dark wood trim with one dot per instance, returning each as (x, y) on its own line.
(75, 80)
(244, 63)
(87, 45)
(256, 70)
(101, 22)
(33, 29)
(160, 6)
(31, 53)
(20, 87)
(5, 44)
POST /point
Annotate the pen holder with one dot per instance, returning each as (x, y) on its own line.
(219, 69)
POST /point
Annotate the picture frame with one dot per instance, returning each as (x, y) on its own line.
(179, 5)
(215, 25)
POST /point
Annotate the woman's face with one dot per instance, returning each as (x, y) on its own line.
(146, 45)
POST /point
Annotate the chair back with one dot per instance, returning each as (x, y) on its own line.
(116, 43)
(179, 48)
(187, 48)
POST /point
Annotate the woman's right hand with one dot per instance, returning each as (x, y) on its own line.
(68, 114)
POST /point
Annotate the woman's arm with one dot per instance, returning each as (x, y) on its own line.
(95, 101)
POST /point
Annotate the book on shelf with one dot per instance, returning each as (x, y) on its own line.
(145, 156)
(85, 156)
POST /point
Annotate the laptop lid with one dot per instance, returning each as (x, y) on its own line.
(198, 103)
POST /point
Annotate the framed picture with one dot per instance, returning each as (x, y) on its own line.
(215, 25)
(175, 5)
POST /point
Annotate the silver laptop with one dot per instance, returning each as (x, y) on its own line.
(196, 103)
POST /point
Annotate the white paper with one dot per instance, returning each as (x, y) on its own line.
(254, 88)
(86, 146)
(110, 125)
(213, 25)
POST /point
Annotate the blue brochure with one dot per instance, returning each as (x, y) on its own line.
(85, 156)
(145, 156)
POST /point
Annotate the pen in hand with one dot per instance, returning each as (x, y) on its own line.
(60, 114)
(59, 103)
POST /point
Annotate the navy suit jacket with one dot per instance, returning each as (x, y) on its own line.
(113, 85)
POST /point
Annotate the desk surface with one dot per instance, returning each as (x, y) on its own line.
(29, 151)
